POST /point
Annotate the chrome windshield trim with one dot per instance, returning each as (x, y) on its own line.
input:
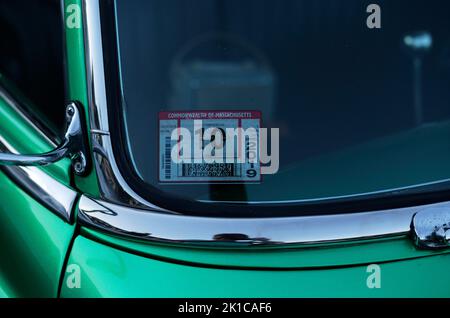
(112, 184)
(246, 232)
(120, 210)
(42, 187)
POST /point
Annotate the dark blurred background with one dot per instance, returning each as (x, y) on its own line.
(331, 82)
(31, 53)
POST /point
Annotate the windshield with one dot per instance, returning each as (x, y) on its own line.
(355, 98)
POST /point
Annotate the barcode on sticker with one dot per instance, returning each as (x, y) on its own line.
(212, 170)
(167, 159)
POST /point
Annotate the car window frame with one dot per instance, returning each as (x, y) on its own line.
(134, 192)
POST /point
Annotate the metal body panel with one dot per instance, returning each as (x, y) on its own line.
(108, 272)
(34, 243)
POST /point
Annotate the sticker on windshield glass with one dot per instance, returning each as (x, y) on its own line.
(209, 146)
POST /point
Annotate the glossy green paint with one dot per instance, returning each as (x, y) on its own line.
(364, 252)
(109, 272)
(76, 79)
(34, 243)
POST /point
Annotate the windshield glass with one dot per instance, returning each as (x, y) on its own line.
(355, 97)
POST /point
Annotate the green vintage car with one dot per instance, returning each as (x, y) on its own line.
(91, 204)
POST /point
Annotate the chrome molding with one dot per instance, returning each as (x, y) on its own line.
(121, 211)
(225, 232)
(113, 186)
(430, 228)
(42, 187)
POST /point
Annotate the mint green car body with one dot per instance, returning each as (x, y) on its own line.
(38, 247)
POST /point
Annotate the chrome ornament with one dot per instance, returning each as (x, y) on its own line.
(430, 228)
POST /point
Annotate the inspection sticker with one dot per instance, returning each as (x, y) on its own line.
(209, 146)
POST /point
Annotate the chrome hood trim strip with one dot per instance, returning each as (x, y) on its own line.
(245, 232)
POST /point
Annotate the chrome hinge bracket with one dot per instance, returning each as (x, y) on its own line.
(76, 137)
(74, 145)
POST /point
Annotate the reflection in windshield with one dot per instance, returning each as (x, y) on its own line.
(359, 109)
